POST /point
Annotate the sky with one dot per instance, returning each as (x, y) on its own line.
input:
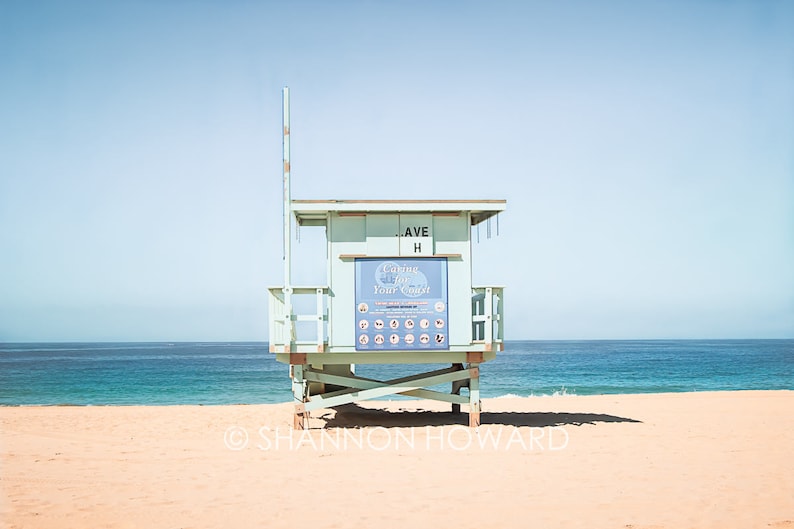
(645, 149)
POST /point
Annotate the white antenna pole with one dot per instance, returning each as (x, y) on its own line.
(287, 221)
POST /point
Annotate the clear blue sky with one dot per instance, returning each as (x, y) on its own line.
(646, 150)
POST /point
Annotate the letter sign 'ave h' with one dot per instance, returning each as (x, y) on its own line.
(416, 234)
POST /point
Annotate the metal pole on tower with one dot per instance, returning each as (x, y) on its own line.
(287, 220)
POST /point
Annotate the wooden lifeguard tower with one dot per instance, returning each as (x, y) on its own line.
(399, 291)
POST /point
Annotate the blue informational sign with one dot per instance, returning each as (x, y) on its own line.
(401, 304)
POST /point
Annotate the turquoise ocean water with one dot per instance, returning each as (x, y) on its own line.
(246, 373)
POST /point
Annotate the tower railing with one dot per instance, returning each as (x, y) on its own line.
(487, 322)
(306, 329)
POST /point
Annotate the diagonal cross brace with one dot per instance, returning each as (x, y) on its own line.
(370, 389)
(352, 386)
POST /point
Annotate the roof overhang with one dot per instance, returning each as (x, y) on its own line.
(315, 212)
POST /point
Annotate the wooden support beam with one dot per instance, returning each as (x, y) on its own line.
(456, 387)
(297, 358)
(381, 358)
(300, 419)
(359, 388)
(417, 393)
(413, 384)
(474, 357)
(299, 394)
(474, 396)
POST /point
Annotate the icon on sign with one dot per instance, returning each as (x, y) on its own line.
(409, 339)
(394, 339)
(409, 324)
(378, 324)
(386, 275)
(439, 323)
(424, 323)
(379, 339)
(440, 338)
(363, 307)
(363, 339)
(394, 324)
(440, 306)
(363, 324)
(424, 338)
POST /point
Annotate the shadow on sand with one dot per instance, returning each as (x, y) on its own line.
(354, 416)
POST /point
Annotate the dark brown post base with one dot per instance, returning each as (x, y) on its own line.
(456, 387)
(300, 420)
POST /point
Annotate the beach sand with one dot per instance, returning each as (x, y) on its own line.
(721, 460)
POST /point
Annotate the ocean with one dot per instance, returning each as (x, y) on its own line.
(246, 373)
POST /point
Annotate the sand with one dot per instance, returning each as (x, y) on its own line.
(722, 460)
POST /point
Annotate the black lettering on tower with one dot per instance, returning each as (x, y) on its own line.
(417, 247)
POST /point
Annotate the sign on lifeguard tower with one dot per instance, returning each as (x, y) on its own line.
(398, 291)
(401, 304)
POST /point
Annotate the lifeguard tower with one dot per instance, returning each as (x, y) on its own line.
(399, 291)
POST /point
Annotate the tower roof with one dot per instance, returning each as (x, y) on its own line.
(314, 212)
